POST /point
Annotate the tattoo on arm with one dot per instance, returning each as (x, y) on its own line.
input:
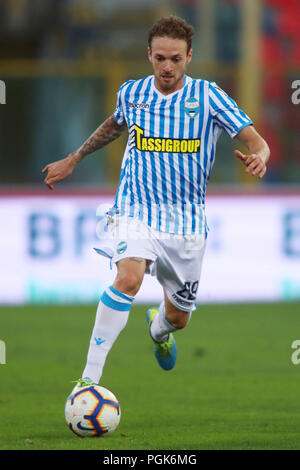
(103, 135)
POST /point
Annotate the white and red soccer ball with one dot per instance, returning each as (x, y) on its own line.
(92, 411)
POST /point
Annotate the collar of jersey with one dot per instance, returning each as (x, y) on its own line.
(170, 95)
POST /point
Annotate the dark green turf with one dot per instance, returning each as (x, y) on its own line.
(234, 386)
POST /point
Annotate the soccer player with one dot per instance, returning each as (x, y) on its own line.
(174, 122)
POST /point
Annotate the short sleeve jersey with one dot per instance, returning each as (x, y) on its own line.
(171, 150)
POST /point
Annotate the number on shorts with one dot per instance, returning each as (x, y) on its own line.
(190, 290)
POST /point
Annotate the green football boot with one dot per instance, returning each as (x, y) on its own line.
(166, 352)
(80, 383)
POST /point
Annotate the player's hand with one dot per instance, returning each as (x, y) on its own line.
(58, 171)
(254, 163)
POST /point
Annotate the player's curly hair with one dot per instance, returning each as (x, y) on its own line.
(172, 27)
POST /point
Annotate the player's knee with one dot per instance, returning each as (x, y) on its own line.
(128, 283)
(179, 321)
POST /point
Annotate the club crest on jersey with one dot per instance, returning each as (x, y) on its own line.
(192, 107)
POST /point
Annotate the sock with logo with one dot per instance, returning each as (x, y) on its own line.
(111, 317)
(160, 327)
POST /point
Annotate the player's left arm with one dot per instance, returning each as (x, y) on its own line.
(256, 160)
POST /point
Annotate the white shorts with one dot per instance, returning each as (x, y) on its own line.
(175, 260)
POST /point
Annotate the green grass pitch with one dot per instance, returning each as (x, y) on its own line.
(234, 385)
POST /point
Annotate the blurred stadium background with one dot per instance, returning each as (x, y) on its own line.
(62, 63)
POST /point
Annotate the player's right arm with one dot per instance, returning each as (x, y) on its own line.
(108, 131)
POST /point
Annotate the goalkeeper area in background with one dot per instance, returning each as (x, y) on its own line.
(235, 385)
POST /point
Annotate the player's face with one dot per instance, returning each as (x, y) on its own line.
(169, 58)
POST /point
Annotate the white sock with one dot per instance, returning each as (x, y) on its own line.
(111, 317)
(160, 327)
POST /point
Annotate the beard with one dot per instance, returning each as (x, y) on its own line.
(170, 83)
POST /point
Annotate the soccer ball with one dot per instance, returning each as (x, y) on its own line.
(92, 411)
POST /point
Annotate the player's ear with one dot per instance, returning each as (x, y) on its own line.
(149, 54)
(189, 56)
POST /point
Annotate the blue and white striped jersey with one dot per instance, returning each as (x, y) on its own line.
(171, 150)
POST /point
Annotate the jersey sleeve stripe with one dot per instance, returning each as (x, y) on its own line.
(227, 112)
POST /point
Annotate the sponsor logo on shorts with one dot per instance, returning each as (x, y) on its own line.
(122, 246)
(180, 301)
